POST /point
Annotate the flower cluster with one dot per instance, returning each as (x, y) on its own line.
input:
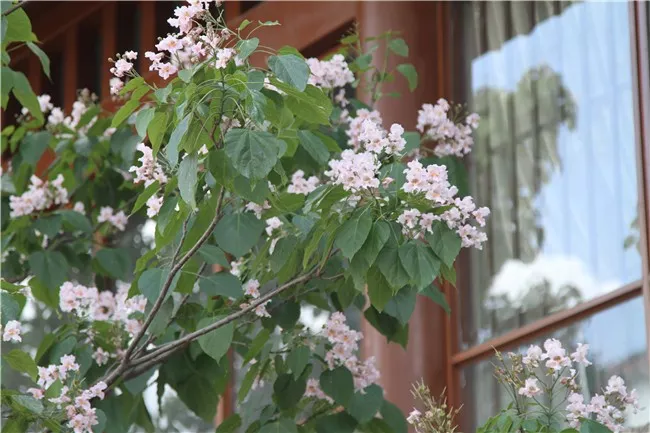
(57, 118)
(555, 362)
(252, 290)
(344, 346)
(90, 304)
(377, 140)
(149, 172)
(80, 414)
(453, 138)
(433, 182)
(328, 74)
(43, 102)
(354, 171)
(354, 130)
(12, 331)
(300, 185)
(257, 209)
(117, 220)
(123, 65)
(40, 195)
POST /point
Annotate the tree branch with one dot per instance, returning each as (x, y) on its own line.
(125, 363)
(13, 8)
(163, 352)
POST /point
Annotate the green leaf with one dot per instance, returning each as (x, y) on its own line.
(22, 362)
(436, 295)
(591, 426)
(257, 345)
(411, 75)
(247, 47)
(364, 406)
(401, 305)
(231, 424)
(45, 61)
(10, 307)
(283, 250)
(283, 425)
(252, 153)
(393, 417)
(124, 112)
(101, 421)
(420, 263)
(412, 141)
(74, 221)
(151, 282)
(188, 178)
(339, 422)
(368, 253)
(243, 25)
(175, 139)
(390, 265)
(115, 262)
(222, 284)
(28, 402)
(143, 119)
(156, 130)
(297, 360)
(291, 69)
(213, 255)
(19, 28)
(379, 290)
(238, 233)
(338, 384)
(186, 74)
(354, 232)
(288, 391)
(387, 325)
(148, 192)
(314, 146)
(50, 267)
(216, 343)
(444, 242)
(399, 47)
(48, 225)
(23, 92)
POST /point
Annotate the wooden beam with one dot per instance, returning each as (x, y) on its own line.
(70, 69)
(548, 324)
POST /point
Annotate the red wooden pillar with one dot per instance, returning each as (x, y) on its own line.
(420, 24)
(71, 57)
(109, 44)
(147, 32)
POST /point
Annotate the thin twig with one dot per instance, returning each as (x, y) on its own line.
(162, 352)
(13, 8)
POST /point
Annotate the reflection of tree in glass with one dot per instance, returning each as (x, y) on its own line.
(516, 154)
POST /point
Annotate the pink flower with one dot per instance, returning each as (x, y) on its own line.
(12, 332)
(530, 388)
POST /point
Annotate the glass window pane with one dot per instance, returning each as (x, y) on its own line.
(617, 345)
(554, 159)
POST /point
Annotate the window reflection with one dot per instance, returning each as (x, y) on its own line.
(613, 350)
(554, 159)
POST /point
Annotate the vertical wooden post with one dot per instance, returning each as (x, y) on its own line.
(147, 32)
(109, 44)
(426, 355)
(70, 70)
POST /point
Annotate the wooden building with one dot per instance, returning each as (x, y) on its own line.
(562, 159)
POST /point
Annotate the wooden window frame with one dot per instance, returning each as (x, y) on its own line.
(458, 359)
